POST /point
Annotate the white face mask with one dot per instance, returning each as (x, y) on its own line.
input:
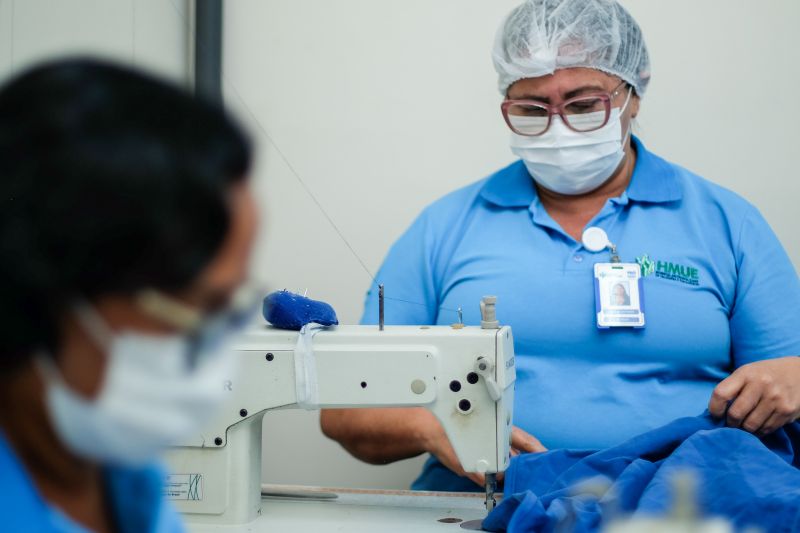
(156, 391)
(569, 162)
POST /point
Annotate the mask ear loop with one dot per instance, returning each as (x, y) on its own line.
(50, 374)
(94, 324)
(98, 330)
(622, 109)
(627, 101)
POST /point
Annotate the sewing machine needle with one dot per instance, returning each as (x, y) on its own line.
(380, 307)
(491, 487)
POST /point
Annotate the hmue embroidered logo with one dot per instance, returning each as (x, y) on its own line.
(668, 270)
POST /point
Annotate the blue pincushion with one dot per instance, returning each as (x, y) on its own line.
(287, 310)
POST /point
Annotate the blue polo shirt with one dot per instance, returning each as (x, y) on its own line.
(721, 293)
(135, 495)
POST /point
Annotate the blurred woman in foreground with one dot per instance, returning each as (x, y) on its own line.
(125, 225)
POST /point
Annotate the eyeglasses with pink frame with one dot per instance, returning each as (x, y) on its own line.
(599, 98)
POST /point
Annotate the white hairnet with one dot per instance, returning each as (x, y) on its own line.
(541, 36)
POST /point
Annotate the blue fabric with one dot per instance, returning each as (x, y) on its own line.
(287, 310)
(135, 495)
(749, 481)
(723, 293)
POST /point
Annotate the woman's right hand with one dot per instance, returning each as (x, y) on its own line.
(439, 445)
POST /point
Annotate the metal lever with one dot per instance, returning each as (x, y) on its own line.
(485, 368)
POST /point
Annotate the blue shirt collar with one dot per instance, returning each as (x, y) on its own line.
(653, 181)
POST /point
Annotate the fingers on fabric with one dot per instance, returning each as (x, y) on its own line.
(755, 421)
(773, 408)
(759, 396)
(773, 423)
(744, 404)
(782, 411)
(725, 392)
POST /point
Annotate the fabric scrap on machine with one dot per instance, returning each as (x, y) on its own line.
(287, 310)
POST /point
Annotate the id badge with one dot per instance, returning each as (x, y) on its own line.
(619, 295)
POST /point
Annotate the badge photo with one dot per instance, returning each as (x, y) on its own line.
(619, 297)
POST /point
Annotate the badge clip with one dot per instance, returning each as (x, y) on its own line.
(595, 240)
(618, 287)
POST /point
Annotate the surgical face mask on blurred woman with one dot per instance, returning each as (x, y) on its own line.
(570, 162)
(156, 389)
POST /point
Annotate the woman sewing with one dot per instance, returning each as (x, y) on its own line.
(721, 324)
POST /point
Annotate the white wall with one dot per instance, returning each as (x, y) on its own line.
(383, 106)
(151, 34)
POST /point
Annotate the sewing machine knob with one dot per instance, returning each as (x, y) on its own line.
(489, 313)
(418, 386)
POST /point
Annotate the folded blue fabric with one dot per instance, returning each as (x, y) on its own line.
(286, 310)
(750, 481)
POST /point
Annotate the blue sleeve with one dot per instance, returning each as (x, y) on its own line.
(765, 318)
(407, 275)
(168, 520)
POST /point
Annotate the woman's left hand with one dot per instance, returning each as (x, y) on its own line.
(765, 395)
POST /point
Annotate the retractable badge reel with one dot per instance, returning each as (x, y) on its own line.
(618, 290)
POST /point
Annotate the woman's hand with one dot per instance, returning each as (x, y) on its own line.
(439, 445)
(765, 395)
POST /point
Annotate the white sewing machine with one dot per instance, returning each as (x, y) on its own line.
(463, 375)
